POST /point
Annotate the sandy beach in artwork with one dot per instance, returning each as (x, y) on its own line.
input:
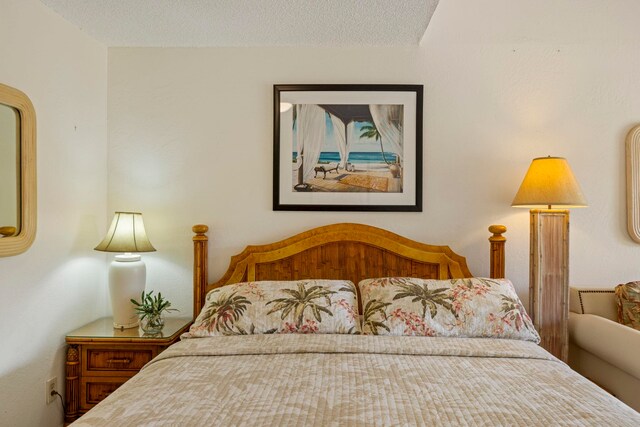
(361, 177)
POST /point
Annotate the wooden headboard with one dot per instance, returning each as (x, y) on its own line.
(339, 251)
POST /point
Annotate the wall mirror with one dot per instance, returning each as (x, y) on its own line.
(17, 171)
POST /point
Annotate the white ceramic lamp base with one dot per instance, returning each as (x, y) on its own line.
(127, 277)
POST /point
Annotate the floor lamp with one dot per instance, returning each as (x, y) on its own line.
(550, 188)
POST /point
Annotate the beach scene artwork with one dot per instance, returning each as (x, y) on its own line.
(346, 148)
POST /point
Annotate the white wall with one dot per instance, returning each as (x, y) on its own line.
(60, 282)
(190, 134)
(509, 81)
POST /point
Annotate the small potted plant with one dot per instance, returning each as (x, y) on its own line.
(150, 309)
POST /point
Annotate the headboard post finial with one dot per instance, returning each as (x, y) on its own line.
(497, 250)
(200, 229)
(200, 266)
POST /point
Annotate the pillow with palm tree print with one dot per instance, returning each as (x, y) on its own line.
(628, 299)
(268, 307)
(475, 307)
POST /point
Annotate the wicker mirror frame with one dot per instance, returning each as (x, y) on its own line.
(22, 240)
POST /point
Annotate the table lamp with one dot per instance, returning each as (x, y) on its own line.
(127, 273)
(550, 188)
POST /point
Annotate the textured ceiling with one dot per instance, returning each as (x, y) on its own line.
(165, 23)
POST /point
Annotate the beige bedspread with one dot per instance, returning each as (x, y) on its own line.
(314, 380)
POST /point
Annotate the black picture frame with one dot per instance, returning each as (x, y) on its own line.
(380, 187)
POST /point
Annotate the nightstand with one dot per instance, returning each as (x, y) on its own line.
(100, 359)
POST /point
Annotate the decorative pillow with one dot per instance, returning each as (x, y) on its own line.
(628, 298)
(303, 306)
(475, 307)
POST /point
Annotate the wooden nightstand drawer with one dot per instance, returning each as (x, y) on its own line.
(100, 359)
(119, 360)
(96, 389)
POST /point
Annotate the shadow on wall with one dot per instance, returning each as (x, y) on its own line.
(32, 394)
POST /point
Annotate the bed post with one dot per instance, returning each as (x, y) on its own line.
(497, 251)
(200, 266)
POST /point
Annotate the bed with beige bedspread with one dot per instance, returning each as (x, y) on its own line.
(298, 379)
(218, 375)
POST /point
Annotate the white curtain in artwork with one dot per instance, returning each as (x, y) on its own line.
(388, 121)
(341, 139)
(310, 129)
(352, 136)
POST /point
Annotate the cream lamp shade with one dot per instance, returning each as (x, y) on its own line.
(126, 234)
(127, 273)
(549, 183)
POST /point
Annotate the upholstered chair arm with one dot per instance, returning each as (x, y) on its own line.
(612, 342)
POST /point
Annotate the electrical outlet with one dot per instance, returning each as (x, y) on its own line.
(50, 387)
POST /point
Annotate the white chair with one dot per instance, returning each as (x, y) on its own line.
(601, 349)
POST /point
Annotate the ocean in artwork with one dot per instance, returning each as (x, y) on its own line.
(355, 158)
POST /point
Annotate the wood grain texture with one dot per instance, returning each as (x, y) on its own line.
(97, 365)
(339, 251)
(549, 279)
(200, 266)
(96, 391)
(497, 255)
(72, 384)
(13, 245)
(121, 360)
(633, 183)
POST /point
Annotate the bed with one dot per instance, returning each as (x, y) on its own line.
(352, 379)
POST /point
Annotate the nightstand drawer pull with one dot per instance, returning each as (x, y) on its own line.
(119, 361)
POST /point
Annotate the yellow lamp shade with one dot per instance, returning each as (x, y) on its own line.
(126, 234)
(549, 182)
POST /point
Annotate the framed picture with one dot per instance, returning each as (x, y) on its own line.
(347, 148)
